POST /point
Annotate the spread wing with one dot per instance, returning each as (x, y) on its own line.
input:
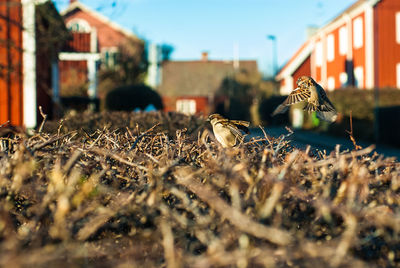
(297, 95)
(325, 104)
(242, 125)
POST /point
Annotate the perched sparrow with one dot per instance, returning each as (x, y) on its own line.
(310, 91)
(228, 132)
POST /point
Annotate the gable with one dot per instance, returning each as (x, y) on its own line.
(109, 34)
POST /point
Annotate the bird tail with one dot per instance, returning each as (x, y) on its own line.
(329, 116)
(280, 109)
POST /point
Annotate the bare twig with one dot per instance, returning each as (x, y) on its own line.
(44, 119)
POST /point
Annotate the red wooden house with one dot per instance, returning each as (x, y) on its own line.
(360, 48)
(95, 42)
(26, 77)
(190, 87)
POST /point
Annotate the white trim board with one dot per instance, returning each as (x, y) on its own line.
(29, 64)
(78, 56)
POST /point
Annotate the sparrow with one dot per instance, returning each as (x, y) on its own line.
(310, 91)
(228, 132)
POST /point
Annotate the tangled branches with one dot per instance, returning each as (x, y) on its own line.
(146, 197)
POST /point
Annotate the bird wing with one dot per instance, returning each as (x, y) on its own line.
(240, 122)
(242, 125)
(325, 105)
(297, 95)
(236, 132)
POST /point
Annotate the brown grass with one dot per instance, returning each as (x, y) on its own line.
(85, 194)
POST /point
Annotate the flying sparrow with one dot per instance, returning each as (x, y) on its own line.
(228, 132)
(310, 91)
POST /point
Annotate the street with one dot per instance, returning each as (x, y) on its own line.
(301, 138)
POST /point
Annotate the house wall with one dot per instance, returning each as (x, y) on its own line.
(359, 53)
(73, 73)
(11, 104)
(80, 42)
(337, 66)
(202, 103)
(304, 69)
(387, 49)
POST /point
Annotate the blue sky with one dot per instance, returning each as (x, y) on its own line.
(193, 26)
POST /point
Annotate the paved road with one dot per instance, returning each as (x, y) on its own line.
(302, 138)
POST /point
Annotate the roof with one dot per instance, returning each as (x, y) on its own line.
(78, 5)
(305, 50)
(296, 60)
(199, 78)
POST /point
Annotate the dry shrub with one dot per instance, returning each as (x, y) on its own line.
(140, 197)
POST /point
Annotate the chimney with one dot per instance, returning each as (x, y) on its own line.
(204, 56)
(72, 1)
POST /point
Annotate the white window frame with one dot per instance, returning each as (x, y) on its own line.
(359, 76)
(79, 25)
(343, 40)
(109, 57)
(186, 106)
(398, 75)
(331, 83)
(343, 79)
(330, 47)
(358, 32)
(398, 27)
(318, 53)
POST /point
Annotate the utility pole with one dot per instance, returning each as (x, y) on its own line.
(274, 54)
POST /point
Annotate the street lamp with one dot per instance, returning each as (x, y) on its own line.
(274, 54)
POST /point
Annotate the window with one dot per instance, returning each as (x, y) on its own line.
(358, 33)
(343, 79)
(78, 25)
(331, 83)
(109, 57)
(359, 77)
(330, 47)
(398, 27)
(186, 106)
(343, 40)
(398, 75)
(318, 53)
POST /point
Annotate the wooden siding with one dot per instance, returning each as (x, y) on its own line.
(11, 62)
(387, 50)
(338, 64)
(72, 74)
(80, 42)
(359, 53)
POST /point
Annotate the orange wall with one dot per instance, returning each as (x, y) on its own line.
(359, 53)
(11, 60)
(338, 65)
(304, 69)
(387, 50)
